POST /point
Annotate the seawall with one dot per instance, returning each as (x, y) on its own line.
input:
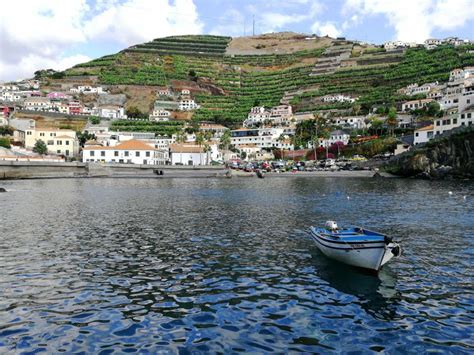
(33, 170)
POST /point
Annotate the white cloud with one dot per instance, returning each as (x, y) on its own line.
(136, 21)
(415, 20)
(37, 34)
(326, 28)
(28, 64)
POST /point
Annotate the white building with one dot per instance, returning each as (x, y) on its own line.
(337, 98)
(448, 101)
(111, 112)
(423, 135)
(257, 114)
(37, 104)
(335, 136)
(262, 137)
(160, 115)
(354, 122)
(216, 129)
(415, 104)
(128, 152)
(58, 141)
(187, 105)
(188, 154)
(87, 89)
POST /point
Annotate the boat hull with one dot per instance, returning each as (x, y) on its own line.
(370, 255)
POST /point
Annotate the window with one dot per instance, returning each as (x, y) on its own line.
(116, 153)
(437, 123)
(67, 153)
(430, 135)
(58, 151)
(28, 133)
(59, 142)
(468, 101)
(147, 154)
(50, 143)
(126, 153)
(455, 120)
(92, 153)
(468, 115)
(67, 142)
(102, 153)
(42, 134)
(137, 154)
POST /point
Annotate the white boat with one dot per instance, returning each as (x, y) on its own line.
(355, 246)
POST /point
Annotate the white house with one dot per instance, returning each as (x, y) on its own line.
(256, 114)
(423, 135)
(187, 105)
(160, 115)
(58, 141)
(216, 129)
(337, 98)
(415, 104)
(130, 152)
(335, 136)
(354, 122)
(466, 118)
(262, 137)
(37, 104)
(187, 154)
(112, 111)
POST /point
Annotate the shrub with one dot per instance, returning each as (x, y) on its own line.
(5, 142)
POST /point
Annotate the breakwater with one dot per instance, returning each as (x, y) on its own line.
(32, 170)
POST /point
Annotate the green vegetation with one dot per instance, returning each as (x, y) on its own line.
(166, 128)
(40, 147)
(5, 142)
(247, 79)
(94, 119)
(6, 130)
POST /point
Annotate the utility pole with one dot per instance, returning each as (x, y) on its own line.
(253, 25)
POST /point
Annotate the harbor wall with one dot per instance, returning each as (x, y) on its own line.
(31, 170)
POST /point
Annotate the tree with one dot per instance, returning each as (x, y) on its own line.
(180, 137)
(6, 130)
(356, 108)
(83, 137)
(392, 120)
(40, 147)
(94, 119)
(200, 142)
(134, 112)
(192, 75)
(433, 109)
(5, 142)
(225, 140)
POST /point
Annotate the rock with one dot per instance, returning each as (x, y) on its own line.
(377, 175)
(2, 189)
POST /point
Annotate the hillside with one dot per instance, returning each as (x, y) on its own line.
(232, 75)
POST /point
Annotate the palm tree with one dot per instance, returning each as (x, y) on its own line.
(180, 137)
(392, 120)
(281, 139)
(200, 141)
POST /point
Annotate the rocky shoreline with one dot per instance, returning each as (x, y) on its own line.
(447, 157)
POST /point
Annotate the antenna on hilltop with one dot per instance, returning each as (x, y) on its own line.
(253, 25)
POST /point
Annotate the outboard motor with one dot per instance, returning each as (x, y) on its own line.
(332, 225)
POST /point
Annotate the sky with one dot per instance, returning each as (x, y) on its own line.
(42, 34)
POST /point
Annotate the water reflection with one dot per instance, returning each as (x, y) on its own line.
(184, 265)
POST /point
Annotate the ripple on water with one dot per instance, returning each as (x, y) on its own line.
(183, 265)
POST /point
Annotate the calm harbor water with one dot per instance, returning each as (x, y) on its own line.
(209, 265)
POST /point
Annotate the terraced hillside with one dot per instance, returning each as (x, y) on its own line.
(236, 82)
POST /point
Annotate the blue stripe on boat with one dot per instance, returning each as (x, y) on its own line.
(317, 239)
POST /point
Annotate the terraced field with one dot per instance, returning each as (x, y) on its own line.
(247, 80)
